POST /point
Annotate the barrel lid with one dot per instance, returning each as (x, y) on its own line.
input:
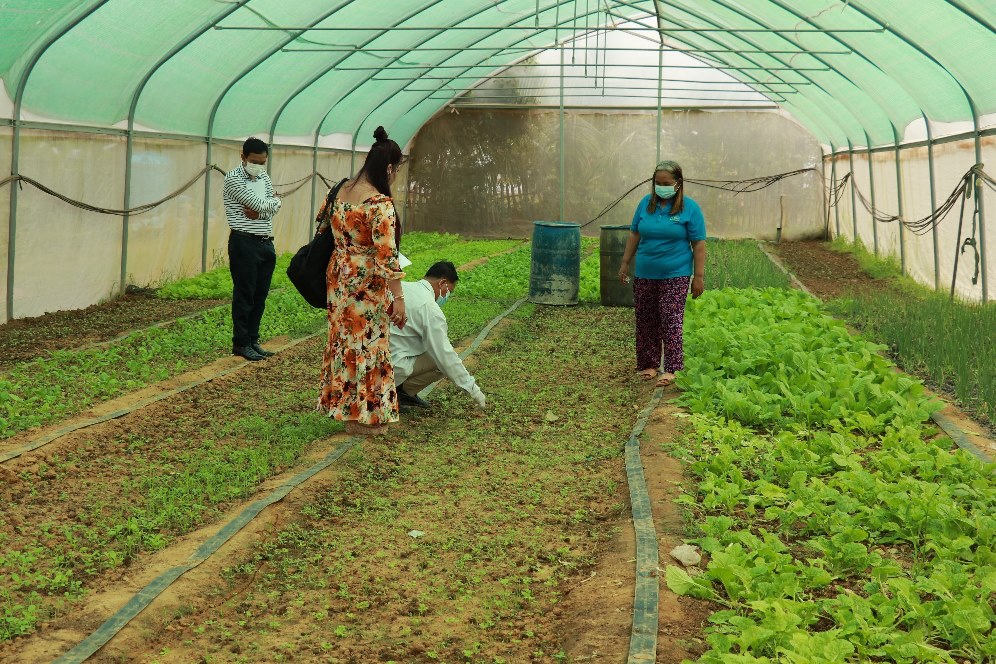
(617, 227)
(569, 224)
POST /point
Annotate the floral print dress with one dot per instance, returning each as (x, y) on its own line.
(357, 380)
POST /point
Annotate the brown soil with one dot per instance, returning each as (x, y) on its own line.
(598, 610)
(826, 273)
(27, 338)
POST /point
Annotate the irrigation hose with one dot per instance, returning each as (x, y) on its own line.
(749, 185)
(95, 641)
(646, 596)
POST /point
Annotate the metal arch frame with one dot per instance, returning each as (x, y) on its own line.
(318, 128)
(832, 68)
(424, 98)
(130, 141)
(821, 88)
(209, 134)
(975, 121)
(468, 67)
(445, 59)
(710, 21)
(355, 133)
(287, 101)
(15, 145)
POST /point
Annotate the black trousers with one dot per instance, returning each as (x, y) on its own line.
(251, 262)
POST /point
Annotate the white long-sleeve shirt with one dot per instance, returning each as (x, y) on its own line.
(426, 332)
(242, 191)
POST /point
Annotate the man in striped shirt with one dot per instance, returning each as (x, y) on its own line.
(250, 204)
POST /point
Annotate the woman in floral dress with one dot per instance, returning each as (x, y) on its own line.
(364, 282)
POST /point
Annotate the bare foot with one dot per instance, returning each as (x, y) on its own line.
(648, 374)
(665, 380)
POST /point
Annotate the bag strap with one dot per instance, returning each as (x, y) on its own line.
(329, 200)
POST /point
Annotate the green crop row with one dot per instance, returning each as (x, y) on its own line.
(836, 528)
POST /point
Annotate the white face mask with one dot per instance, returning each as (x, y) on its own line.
(255, 170)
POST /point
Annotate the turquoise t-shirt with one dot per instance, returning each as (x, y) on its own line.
(665, 251)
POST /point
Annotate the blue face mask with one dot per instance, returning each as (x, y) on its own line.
(665, 191)
(441, 300)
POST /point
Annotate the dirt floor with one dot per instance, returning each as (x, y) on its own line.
(593, 621)
(27, 338)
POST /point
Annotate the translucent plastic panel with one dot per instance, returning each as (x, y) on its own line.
(954, 38)
(26, 23)
(292, 225)
(887, 201)
(917, 205)
(181, 95)
(840, 218)
(495, 172)
(934, 88)
(67, 258)
(165, 243)
(87, 76)
(863, 98)
(951, 162)
(226, 156)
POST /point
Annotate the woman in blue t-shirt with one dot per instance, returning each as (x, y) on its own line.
(668, 237)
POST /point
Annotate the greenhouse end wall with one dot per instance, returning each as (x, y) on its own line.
(929, 256)
(494, 172)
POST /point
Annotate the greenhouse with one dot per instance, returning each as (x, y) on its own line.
(646, 331)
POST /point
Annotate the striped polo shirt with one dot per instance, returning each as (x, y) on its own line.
(257, 194)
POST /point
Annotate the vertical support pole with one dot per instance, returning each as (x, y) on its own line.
(854, 205)
(314, 187)
(207, 205)
(781, 219)
(406, 224)
(12, 221)
(933, 204)
(660, 95)
(871, 185)
(129, 153)
(899, 197)
(563, 183)
(833, 187)
(980, 201)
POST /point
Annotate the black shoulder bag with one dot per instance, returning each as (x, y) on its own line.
(308, 267)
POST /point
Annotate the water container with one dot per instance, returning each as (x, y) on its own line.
(555, 271)
(612, 247)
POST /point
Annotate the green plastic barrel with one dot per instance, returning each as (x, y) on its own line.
(612, 246)
(555, 270)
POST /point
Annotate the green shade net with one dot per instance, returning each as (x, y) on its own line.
(90, 62)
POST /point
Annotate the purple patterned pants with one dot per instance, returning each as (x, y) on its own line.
(660, 313)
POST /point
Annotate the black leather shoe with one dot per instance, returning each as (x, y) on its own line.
(247, 352)
(260, 350)
(405, 399)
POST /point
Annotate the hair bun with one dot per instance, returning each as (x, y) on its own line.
(380, 134)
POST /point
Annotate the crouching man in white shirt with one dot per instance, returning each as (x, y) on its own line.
(421, 352)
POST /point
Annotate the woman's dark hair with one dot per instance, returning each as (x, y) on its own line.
(678, 204)
(384, 153)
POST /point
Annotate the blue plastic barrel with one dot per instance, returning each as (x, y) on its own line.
(555, 271)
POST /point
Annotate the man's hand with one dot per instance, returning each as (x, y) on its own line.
(479, 399)
(250, 213)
